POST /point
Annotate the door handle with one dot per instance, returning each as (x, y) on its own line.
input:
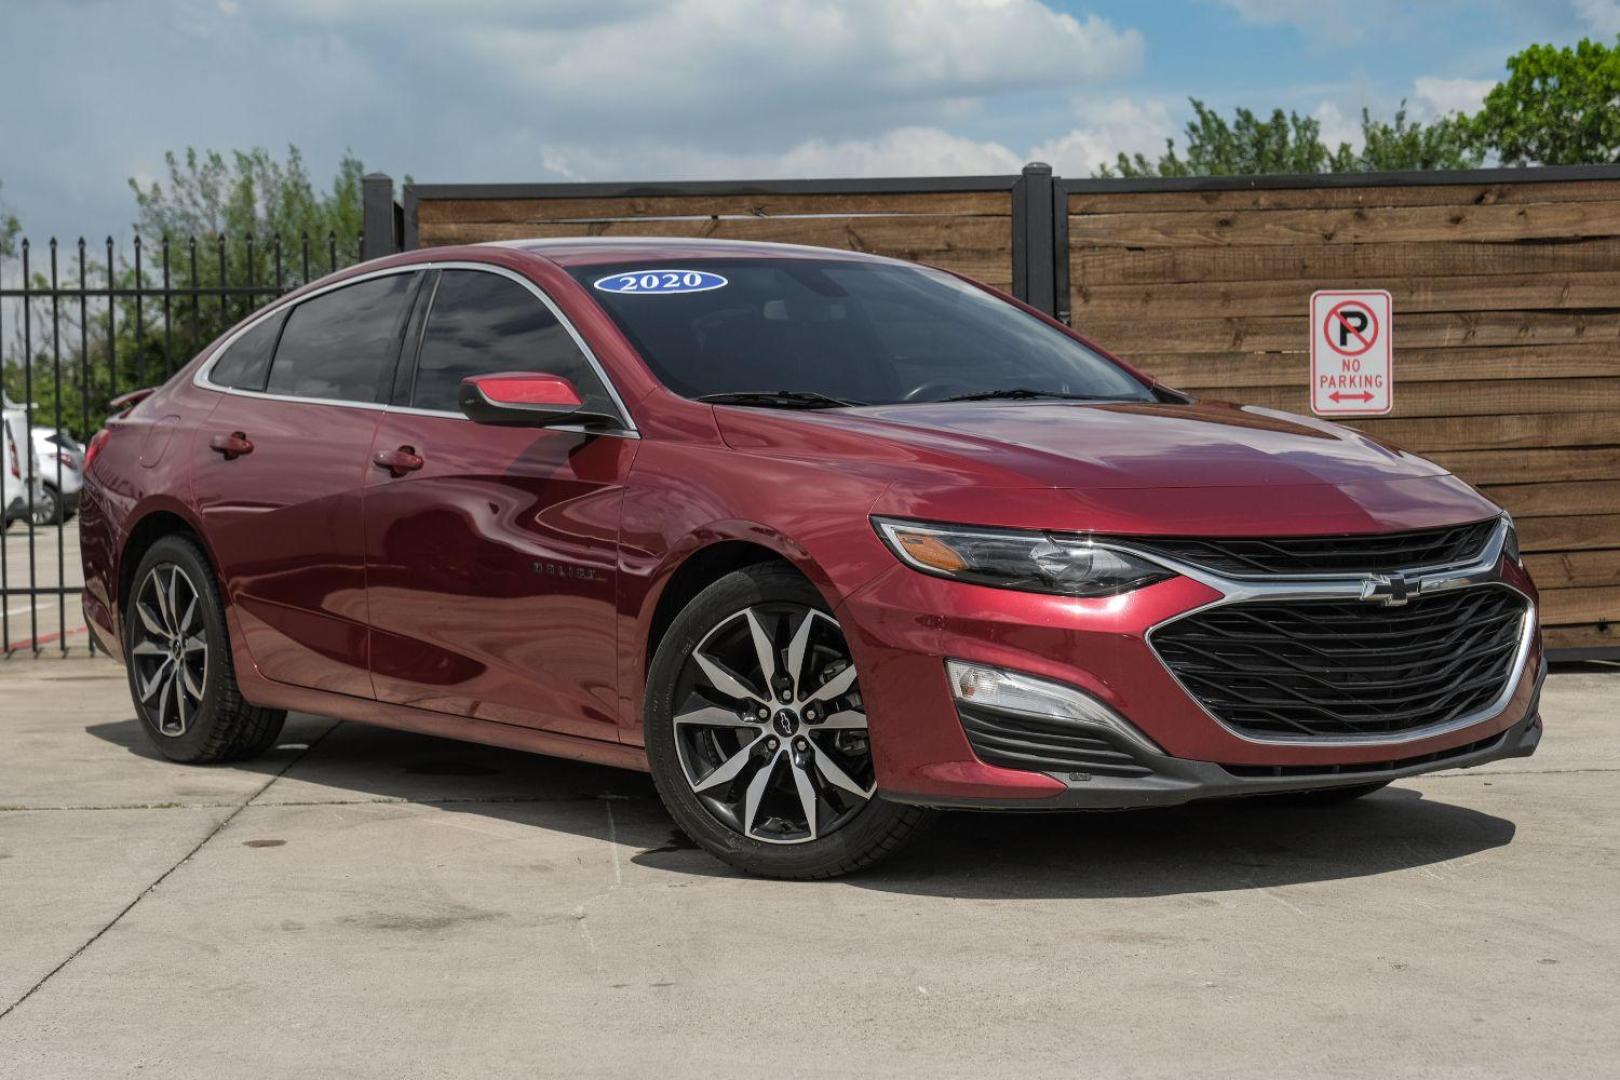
(398, 462)
(232, 446)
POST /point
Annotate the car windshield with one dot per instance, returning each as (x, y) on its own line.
(835, 332)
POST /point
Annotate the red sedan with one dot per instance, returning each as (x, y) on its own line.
(823, 540)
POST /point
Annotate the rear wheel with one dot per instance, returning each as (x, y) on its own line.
(757, 732)
(47, 506)
(179, 655)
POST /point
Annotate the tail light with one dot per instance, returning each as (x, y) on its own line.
(97, 441)
(16, 467)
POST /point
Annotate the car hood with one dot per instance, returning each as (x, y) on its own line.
(1125, 445)
(1117, 461)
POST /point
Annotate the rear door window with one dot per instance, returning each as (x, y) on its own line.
(483, 323)
(341, 345)
(245, 363)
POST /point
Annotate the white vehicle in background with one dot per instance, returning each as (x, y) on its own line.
(19, 465)
(61, 475)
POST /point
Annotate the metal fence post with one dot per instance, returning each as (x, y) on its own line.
(1034, 238)
(379, 216)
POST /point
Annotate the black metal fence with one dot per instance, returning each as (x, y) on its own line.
(80, 325)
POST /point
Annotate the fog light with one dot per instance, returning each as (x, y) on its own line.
(1009, 691)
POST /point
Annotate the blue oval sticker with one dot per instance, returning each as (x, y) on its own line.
(661, 282)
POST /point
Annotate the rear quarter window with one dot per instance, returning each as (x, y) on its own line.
(245, 363)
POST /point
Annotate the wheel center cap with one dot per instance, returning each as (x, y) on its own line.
(786, 722)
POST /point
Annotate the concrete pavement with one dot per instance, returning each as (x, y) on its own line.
(364, 903)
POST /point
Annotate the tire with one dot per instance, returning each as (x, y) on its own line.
(195, 713)
(812, 748)
(1328, 796)
(48, 507)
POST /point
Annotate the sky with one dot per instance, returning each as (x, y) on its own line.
(555, 90)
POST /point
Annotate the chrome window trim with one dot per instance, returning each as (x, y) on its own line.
(628, 430)
(1482, 573)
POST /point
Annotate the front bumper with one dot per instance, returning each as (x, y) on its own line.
(1168, 781)
(903, 625)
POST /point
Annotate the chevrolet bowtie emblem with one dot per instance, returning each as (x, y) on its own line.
(1390, 590)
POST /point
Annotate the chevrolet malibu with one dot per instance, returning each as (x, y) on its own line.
(824, 541)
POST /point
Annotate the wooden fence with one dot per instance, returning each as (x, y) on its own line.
(1506, 289)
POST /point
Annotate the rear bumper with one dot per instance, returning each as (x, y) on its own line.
(1170, 781)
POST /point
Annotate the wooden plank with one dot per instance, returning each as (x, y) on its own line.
(1433, 434)
(1324, 198)
(884, 234)
(1428, 330)
(1569, 533)
(1233, 369)
(1401, 224)
(1507, 466)
(1486, 397)
(535, 211)
(1577, 497)
(1575, 569)
(1123, 266)
(1480, 292)
(1562, 607)
(1581, 637)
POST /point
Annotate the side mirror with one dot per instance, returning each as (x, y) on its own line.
(522, 399)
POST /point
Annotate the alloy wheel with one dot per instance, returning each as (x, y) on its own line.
(45, 506)
(170, 650)
(769, 725)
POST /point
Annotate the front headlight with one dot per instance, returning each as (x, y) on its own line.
(1018, 559)
(1510, 543)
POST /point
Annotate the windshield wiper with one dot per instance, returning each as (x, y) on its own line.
(779, 399)
(1024, 393)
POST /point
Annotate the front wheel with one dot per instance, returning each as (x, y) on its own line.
(757, 732)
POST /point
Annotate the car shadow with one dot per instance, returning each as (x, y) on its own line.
(1200, 848)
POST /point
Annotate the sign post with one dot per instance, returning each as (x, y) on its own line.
(1352, 363)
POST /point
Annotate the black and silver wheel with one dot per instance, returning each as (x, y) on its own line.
(47, 506)
(758, 734)
(179, 661)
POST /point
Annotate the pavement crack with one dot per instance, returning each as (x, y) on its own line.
(218, 828)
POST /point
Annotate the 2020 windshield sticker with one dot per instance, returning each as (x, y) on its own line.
(660, 282)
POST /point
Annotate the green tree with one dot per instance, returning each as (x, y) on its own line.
(1287, 143)
(1558, 106)
(1400, 144)
(249, 192)
(212, 221)
(10, 227)
(1247, 145)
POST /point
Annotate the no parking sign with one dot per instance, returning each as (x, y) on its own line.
(1352, 369)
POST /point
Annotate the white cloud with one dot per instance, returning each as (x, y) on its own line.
(729, 57)
(906, 151)
(1601, 16)
(1435, 97)
(1338, 125)
(1109, 128)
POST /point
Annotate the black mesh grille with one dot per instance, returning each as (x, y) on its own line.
(1331, 669)
(1014, 741)
(1381, 553)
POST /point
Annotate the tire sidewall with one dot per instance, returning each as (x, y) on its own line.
(199, 733)
(850, 845)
